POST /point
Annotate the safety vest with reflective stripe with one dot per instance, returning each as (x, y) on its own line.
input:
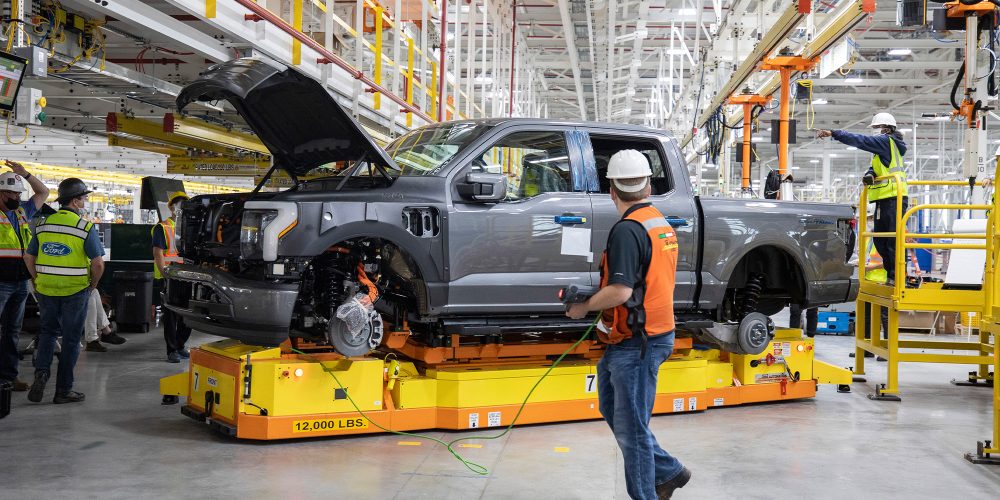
(651, 306)
(887, 188)
(62, 265)
(170, 253)
(12, 244)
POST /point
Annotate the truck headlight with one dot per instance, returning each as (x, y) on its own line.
(178, 227)
(252, 232)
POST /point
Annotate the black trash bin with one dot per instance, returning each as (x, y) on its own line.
(6, 388)
(133, 300)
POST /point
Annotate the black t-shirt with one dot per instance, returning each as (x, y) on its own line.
(629, 250)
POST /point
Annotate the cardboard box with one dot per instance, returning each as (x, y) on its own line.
(946, 323)
(916, 320)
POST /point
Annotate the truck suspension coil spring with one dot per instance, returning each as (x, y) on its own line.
(752, 292)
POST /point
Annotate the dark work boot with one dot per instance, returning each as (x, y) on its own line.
(68, 397)
(96, 346)
(38, 387)
(665, 490)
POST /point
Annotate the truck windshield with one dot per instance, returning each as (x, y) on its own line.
(426, 150)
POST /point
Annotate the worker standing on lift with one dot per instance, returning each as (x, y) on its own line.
(887, 149)
(637, 322)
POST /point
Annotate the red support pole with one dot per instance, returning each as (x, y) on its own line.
(513, 60)
(441, 70)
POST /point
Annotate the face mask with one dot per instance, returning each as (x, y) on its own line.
(12, 203)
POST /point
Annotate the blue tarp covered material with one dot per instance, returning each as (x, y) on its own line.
(587, 182)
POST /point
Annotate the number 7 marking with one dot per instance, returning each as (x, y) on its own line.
(591, 383)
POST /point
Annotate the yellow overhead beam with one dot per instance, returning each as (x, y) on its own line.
(228, 167)
(125, 142)
(140, 129)
(56, 172)
(774, 37)
(830, 33)
(200, 130)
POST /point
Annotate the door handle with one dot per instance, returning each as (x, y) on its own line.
(570, 219)
(676, 221)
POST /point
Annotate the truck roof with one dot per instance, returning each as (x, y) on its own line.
(494, 122)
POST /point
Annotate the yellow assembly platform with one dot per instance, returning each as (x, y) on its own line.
(252, 392)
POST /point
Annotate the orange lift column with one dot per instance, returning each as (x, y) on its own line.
(786, 65)
(748, 100)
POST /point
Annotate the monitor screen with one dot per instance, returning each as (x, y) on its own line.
(11, 73)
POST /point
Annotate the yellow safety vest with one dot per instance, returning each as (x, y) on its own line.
(887, 188)
(62, 266)
(170, 253)
(12, 244)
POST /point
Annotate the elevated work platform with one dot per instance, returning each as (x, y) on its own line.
(260, 393)
(900, 296)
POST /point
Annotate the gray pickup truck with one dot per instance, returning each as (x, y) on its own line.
(468, 228)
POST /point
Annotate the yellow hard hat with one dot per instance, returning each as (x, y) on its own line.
(175, 195)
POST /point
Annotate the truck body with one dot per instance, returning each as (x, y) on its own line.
(466, 227)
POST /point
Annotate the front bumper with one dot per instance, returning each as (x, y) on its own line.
(216, 302)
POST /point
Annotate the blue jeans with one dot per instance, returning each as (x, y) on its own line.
(13, 294)
(626, 389)
(61, 317)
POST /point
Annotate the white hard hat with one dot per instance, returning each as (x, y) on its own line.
(629, 164)
(883, 119)
(9, 181)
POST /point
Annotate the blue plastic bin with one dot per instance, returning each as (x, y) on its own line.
(833, 323)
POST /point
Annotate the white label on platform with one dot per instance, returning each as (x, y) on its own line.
(473, 420)
(718, 402)
(678, 404)
(212, 381)
(590, 382)
(493, 419)
(692, 403)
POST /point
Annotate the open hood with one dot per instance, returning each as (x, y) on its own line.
(298, 120)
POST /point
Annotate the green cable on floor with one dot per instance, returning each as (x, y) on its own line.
(450, 446)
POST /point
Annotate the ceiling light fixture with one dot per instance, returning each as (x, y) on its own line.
(900, 52)
(853, 79)
(819, 101)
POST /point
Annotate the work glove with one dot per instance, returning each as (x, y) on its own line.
(868, 179)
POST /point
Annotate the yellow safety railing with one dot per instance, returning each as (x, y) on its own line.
(874, 298)
(906, 240)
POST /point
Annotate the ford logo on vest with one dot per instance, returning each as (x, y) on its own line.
(55, 249)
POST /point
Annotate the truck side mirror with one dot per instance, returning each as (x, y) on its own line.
(483, 187)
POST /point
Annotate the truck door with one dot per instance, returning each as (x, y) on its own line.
(670, 196)
(515, 255)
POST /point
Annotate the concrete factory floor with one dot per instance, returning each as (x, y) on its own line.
(121, 443)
